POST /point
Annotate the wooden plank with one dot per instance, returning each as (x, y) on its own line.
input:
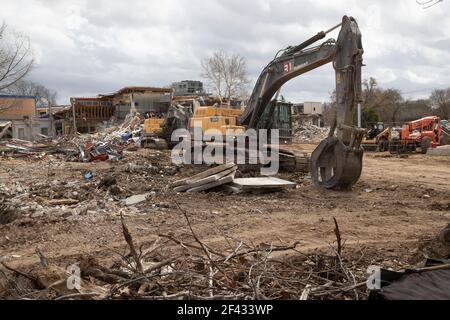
(195, 184)
(262, 182)
(211, 185)
(203, 174)
(205, 180)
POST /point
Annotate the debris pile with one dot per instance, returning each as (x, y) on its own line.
(51, 188)
(107, 144)
(182, 266)
(309, 133)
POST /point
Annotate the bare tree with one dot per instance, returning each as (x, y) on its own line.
(389, 103)
(226, 73)
(16, 57)
(440, 99)
(30, 88)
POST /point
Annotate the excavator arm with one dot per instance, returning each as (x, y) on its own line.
(337, 161)
(282, 69)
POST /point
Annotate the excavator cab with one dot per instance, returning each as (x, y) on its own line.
(375, 130)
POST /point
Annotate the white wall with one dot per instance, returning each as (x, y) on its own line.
(313, 108)
(28, 129)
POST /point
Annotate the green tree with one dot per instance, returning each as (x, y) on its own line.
(370, 115)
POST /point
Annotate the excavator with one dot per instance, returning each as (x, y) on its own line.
(336, 163)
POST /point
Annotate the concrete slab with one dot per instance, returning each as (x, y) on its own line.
(262, 183)
(439, 151)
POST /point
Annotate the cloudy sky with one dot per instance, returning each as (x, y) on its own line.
(83, 47)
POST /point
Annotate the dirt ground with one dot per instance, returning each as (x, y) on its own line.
(397, 202)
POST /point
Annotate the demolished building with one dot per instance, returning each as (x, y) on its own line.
(18, 113)
(143, 100)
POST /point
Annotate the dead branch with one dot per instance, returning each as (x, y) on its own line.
(42, 258)
(189, 245)
(77, 295)
(23, 274)
(129, 240)
(159, 265)
(338, 236)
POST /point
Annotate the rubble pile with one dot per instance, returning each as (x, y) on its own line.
(309, 133)
(107, 144)
(49, 187)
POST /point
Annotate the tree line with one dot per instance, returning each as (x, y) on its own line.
(389, 105)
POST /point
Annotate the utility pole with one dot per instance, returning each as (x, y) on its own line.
(359, 114)
(52, 129)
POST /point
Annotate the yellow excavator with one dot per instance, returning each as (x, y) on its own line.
(155, 131)
(222, 119)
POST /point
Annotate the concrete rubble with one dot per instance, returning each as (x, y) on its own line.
(439, 151)
(309, 133)
(107, 144)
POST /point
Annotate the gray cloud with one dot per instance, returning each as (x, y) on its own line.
(88, 47)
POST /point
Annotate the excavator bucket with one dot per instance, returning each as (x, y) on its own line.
(335, 165)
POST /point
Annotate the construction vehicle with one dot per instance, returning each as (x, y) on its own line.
(420, 134)
(377, 138)
(152, 125)
(157, 132)
(221, 119)
(336, 163)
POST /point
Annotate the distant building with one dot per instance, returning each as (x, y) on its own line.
(187, 87)
(312, 108)
(20, 112)
(94, 112)
(309, 113)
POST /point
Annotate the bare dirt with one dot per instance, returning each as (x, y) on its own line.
(398, 202)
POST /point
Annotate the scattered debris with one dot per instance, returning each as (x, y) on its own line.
(88, 175)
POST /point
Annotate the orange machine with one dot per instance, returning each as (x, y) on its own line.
(423, 133)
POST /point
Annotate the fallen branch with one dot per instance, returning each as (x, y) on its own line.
(129, 240)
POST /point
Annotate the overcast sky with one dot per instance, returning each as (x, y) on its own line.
(83, 48)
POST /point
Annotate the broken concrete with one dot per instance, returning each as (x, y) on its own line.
(136, 199)
(439, 151)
